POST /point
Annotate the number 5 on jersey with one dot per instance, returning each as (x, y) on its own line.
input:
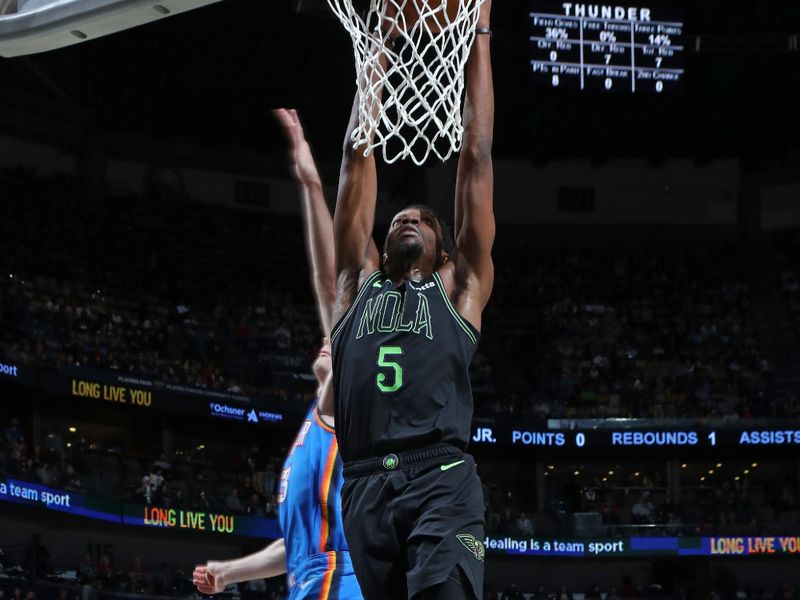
(390, 373)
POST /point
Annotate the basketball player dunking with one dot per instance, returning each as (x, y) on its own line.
(406, 331)
(313, 550)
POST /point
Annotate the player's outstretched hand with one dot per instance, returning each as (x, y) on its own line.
(303, 166)
(208, 578)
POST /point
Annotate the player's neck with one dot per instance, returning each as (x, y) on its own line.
(414, 272)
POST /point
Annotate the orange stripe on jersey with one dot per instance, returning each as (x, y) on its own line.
(326, 582)
(324, 491)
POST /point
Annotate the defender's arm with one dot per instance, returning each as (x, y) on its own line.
(213, 577)
(316, 215)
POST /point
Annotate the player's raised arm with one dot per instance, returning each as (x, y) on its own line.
(354, 217)
(214, 576)
(316, 215)
(474, 209)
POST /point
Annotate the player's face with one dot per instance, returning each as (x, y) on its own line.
(412, 236)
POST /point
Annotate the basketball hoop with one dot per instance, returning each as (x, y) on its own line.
(410, 57)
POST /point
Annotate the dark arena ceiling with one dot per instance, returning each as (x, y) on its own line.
(212, 75)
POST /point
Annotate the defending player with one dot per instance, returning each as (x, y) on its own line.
(406, 331)
(313, 550)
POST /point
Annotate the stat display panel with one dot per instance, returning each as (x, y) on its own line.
(606, 47)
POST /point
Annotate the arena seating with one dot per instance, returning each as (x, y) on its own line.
(210, 297)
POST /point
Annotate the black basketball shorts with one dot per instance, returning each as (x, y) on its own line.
(411, 518)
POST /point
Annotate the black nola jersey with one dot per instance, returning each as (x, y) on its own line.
(401, 358)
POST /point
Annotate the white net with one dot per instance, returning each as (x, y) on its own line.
(410, 57)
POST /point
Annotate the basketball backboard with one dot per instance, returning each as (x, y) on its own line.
(32, 26)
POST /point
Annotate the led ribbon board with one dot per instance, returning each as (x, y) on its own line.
(164, 518)
(695, 438)
(47, 498)
(645, 546)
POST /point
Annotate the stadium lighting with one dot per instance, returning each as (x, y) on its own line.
(684, 465)
(746, 471)
(719, 465)
(754, 465)
(73, 429)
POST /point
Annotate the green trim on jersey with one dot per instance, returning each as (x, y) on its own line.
(364, 287)
(459, 319)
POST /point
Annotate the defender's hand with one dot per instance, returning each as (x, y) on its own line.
(303, 167)
(208, 578)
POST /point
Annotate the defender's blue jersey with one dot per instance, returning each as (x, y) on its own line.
(310, 494)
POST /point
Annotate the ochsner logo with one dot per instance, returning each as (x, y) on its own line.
(10, 370)
(223, 410)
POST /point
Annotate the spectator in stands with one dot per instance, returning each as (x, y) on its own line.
(512, 593)
(593, 593)
(524, 525)
(247, 489)
(203, 502)
(257, 465)
(135, 566)
(253, 507)
(71, 480)
(152, 485)
(233, 503)
(177, 500)
(628, 590)
(271, 477)
(37, 558)
(271, 506)
(564, 593)
(106, 573)
(47, 474)
(643, 509)
(86, 572)
(12, 435)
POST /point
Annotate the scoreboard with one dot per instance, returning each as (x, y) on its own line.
(606, 47)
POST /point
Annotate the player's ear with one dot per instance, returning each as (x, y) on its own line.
(385, 258)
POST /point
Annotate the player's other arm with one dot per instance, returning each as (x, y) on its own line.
(316, 215)
(214, 576)
(474, 209)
